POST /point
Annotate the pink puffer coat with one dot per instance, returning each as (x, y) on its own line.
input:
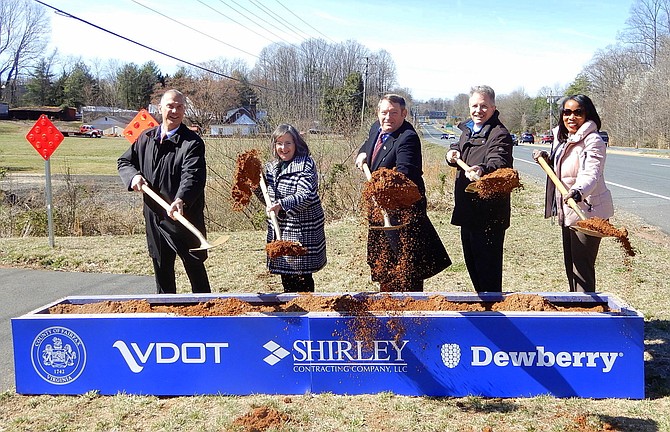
(580, 164)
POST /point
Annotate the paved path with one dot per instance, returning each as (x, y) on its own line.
(22, 291)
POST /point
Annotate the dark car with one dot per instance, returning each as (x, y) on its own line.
(527, 137)
(605, 136)
(515, 140)
(444, 136)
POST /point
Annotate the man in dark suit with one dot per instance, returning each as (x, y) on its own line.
(401, 259)
(485, 145)
(170, 159)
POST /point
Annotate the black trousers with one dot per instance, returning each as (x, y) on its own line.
(298, 283)
(483, 254)
(579, 255)
(165, 276)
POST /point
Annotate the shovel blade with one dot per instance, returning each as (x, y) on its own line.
(206, 245)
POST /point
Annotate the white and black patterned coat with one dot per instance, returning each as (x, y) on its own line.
(301, 218)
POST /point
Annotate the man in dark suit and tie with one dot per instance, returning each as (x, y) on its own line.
(170, 159)
(401, 259)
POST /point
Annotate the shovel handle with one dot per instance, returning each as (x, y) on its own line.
(561, 187)
(465, 166)
(268, 203)
(368, 175)
(178, 216)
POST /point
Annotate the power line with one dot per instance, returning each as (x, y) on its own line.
(308, 24)
(69, 15)
(281, 22)
(242, 7)
(194, 29)
(239, 23)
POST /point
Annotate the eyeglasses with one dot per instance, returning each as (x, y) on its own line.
(577, 113)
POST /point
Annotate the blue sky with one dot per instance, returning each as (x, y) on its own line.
(441, 48)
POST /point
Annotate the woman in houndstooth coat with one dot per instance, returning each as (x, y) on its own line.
(292, 185)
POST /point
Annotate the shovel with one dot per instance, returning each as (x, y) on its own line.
(278, 247)
(472, 187)
(204, 244)
(571, 202)
(387, 220)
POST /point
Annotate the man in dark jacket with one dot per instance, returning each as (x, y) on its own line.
(485, 145)
(401, 259)
(170, 159)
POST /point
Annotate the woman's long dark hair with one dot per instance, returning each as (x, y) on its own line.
(590, 113)
(301, 147)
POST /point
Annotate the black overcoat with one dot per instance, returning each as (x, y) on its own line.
(418, 242)
(490, 148)
(174, 169)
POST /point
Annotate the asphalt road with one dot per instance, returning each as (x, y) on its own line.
(22, 291)
(639, 182)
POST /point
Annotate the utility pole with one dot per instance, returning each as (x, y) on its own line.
(365, 80)
(551, 100)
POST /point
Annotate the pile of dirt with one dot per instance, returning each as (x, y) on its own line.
(500, 182)
(352, 305)
(604, 227)
(391, 190)
(246, 178)
(261, 419)
(279, 248)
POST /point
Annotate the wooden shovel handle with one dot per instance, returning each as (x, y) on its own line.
(268, 203)
(178, 216)
(385, 215)
(561, 187)
(465, 166)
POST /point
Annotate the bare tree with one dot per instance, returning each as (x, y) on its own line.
(22, 41)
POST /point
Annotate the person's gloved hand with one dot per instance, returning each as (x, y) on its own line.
(540, 154)
(360, 159)
(137, 182)
(452, 155)
(574, 194)
(474, 173)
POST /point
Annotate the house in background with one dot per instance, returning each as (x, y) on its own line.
(239, 121)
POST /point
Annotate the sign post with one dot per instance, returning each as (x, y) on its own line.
(45, 138)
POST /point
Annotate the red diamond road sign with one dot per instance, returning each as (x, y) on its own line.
(45, 137)
(143, 120)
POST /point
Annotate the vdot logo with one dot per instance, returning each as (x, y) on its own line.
(277, 353)
(167, 352)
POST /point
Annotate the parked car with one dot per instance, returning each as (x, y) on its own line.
(547, 138)
(527, 137)
(444, 136)
(605, 136)
(90, 131)
(451, 136)
(515, 140)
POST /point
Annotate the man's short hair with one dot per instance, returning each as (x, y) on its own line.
(174, 92)
(484, 90)
(393, 98)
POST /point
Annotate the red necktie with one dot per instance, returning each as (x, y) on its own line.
(378, 146)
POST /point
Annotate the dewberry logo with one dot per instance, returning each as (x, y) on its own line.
(277, 353)
(58, 355)
(451, 355)
(484, 356)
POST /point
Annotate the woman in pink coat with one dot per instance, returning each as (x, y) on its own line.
(578, 157)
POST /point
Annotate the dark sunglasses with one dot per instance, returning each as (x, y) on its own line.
(578, 112)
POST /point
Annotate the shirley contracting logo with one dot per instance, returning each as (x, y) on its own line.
(485, 356)
(340, 356)
(167, 353)
(58, 355)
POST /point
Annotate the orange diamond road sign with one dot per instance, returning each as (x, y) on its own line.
(142, 121)
(45, 137)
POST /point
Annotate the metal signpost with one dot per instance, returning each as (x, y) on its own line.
(45, 138)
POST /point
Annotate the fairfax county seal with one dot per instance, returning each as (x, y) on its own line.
(58, 355)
